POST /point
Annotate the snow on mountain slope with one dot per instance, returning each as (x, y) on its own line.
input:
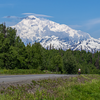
(54, 41)
(35, 27)
(47, 32)
(91, 45)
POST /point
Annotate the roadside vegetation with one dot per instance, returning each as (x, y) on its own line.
(82, 87)
(25, 71)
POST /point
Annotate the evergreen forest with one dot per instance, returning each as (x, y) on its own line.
(14, 54)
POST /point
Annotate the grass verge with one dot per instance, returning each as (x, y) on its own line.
(83, 87)
(25, 71)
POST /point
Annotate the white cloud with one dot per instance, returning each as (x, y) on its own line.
(38, 15)
(92, 22)
(88, 25)
(10, 17)
(13, 17)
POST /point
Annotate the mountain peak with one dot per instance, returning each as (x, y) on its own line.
(32, 17)
(38, 27)
(33, 29)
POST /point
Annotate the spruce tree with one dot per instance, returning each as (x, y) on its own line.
(50, 46)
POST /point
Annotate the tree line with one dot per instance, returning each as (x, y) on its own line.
(14, 54)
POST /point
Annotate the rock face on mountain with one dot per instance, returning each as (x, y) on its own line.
(47, 32)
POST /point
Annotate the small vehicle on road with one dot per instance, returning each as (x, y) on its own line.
(79, 71)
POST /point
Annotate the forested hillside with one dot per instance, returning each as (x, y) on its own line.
(14, 54)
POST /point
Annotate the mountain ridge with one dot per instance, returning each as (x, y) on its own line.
(47, 32)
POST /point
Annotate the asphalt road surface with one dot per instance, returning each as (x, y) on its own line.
(18, 78)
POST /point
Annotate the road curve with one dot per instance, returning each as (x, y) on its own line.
(18, 78)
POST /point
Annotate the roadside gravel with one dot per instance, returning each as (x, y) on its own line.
(29, 80)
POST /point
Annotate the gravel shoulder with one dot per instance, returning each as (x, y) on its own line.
(16, 80)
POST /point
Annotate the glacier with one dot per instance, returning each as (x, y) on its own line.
(47, 32)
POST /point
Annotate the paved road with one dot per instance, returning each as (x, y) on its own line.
(17, 78)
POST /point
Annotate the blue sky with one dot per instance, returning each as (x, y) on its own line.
(81, 15)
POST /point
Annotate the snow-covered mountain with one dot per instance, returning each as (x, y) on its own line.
(91, 45)
(47, 32)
